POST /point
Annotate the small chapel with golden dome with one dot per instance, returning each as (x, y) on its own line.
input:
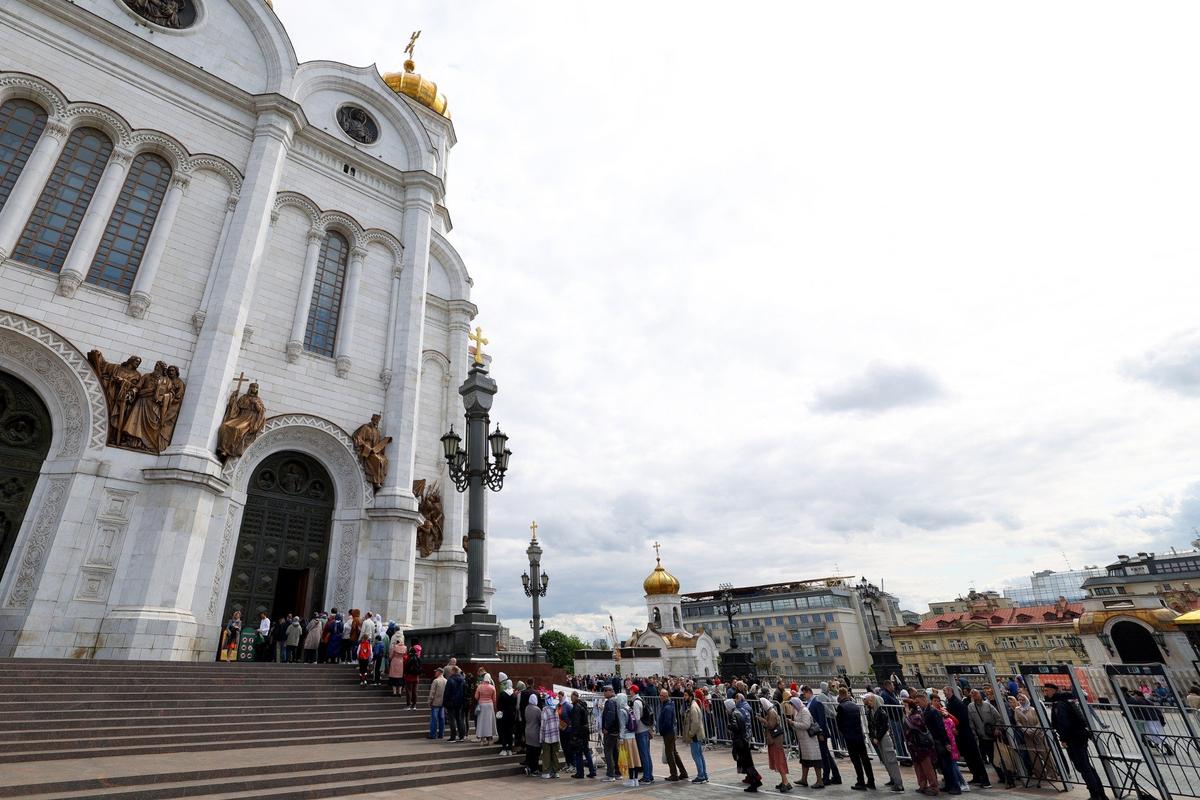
(681, 652)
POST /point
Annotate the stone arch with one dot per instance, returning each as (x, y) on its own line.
(344, 224)
(65, 381)
(391, 243)
(1134, 641)
(147, 141)
(90, 115)
(27, 87)
(313, 436)
(211, 163)
(297, 201)
(456, 269)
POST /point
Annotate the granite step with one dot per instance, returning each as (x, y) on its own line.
(308, 784)
(114, 719)
(168, 784)
(234, 727)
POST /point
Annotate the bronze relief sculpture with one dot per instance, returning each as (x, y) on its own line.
(369, 443)
(177, 14)
(245, 416)
(429, 533)
(142, 409)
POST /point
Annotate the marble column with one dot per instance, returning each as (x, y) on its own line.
(143, 284)
(95, 220)
(295, 343)
(201, 313)
(393, 520)
(345, 331)
(29, 185)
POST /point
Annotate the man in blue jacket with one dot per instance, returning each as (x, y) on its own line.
(454, 700)
(668, 729)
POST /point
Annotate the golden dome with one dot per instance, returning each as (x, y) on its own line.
(420, 89)
(660, 581)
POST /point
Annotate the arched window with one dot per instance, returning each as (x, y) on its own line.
(327, 295)
(55, 220)
(21, 124)
(129, 227)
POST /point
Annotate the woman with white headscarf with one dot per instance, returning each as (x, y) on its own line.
(506, 714)
(485, 710)
(533, 737)
(739, 732)
(810, 746)
(774, 734)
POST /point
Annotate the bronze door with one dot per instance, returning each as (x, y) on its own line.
(283, 546)
(25, 434)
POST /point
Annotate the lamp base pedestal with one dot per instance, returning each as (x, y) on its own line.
(737, 664)
(885, 664)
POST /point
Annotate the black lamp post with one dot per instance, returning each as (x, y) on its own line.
(870, 594)
(536, 582)
(884, 662)
(472, 471)
(731, 610)
(734, 662)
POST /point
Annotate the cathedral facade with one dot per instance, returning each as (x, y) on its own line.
(177, 191)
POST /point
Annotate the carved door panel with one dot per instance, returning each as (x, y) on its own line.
(285, 526)
(25, 433)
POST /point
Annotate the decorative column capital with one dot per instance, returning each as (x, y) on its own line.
(57, 127)
(198, 319)
(358, 253)
(121, 156)
(385, 378)
(293, 350)
(68, 282)
(343, 364)
(231, 203)
(181, 181)
(315, 235)
(138, 303)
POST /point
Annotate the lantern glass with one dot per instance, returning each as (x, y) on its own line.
(450, 443)
(545, 581)
(502, 460)
(498, 440)
(525, 580)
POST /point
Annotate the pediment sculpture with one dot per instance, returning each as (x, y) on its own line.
(429, 503)
(245, 416)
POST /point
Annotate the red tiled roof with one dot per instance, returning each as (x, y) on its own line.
(1001, 617)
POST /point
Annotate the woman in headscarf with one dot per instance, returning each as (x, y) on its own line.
(880, 727)
(809, 744)
(533, 737)
(312, 638)
(506, 712)
(522, 700)
(396, 665)
(334, 629)
(485, 710)
(551, 735)
(1042, 766)
(739, 732)
(774, 734)
(628, 760)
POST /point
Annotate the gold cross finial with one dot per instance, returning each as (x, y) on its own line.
(658, 552)
(477, 338)
(412, 43)
(533, 526)
(239, 380)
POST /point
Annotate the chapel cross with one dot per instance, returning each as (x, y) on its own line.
(477, 338)
(533, 526)
(657, 551)
(239, 380)
(412, 44)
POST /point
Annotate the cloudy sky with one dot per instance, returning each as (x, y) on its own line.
(900, 290)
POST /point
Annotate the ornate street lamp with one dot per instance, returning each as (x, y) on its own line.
(731, 610)
(870, 595)
(472, 471)
(536, 583)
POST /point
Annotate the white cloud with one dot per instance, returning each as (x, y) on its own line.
(685, 231)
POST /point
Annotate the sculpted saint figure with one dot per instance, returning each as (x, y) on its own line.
(140, 428)
(245, 416)
(142, 409)
(370, 444)
(429, 534)
(120, 382)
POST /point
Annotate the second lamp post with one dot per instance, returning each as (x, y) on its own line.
(536, 582)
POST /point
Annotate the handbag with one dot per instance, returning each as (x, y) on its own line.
(815, 730)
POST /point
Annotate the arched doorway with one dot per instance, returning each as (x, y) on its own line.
(283, 545)
(1135, 644)
(25, 433)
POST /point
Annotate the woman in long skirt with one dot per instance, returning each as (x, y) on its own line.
(1042, 766)
(739, 732)
(776, 757)
(533, 737)
(485, 713)
(810, 747)
(629, 760)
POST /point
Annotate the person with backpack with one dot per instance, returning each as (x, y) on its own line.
(921, 747)
(644, 728)
(364, 660)
(1067, 720)
(453, 700)
(739, 734)
(628, 756)
(610, 729)
(334, 629)
(412, 674)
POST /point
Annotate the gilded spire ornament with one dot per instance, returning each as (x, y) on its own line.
(477, 338)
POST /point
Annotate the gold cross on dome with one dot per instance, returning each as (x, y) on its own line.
(412, 43)
(477, 338)
(657, 551)
(533, 526)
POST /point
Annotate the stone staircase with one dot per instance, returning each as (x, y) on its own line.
(145, 718)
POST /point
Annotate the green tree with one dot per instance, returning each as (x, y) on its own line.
(560, 648)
